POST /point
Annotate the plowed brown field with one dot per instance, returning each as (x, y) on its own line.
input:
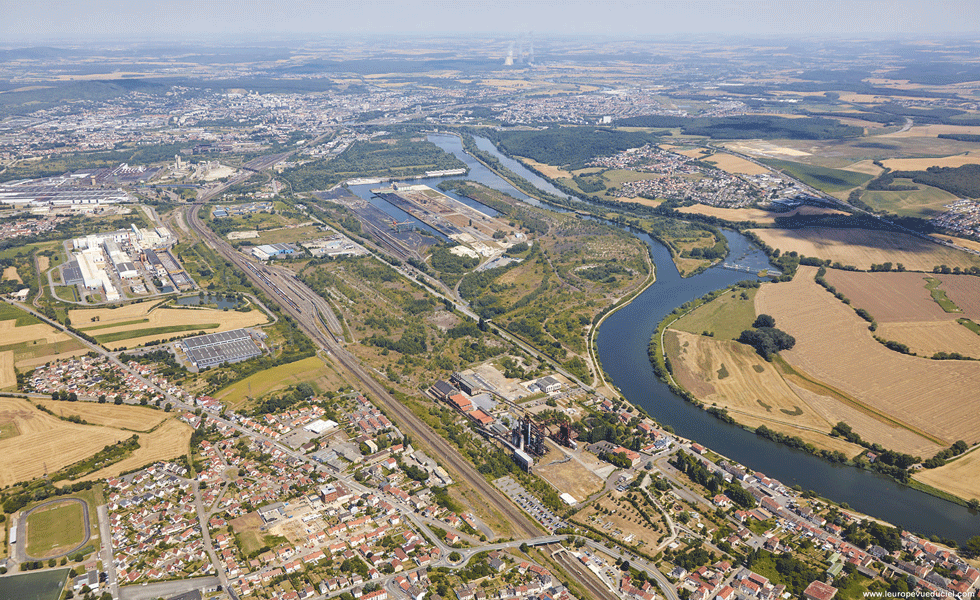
(903, 297)
(834, 346)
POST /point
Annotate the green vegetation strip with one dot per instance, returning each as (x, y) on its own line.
(932, 284)
(108, 325)
(969, 325)
(135, 333)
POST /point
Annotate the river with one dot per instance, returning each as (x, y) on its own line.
(623, 340)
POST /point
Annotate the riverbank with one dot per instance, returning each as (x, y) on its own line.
(623, 339)
(820, 442)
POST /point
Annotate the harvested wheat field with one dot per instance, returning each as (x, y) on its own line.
(11, 274)
(93, 317)
(834, 409)
(971, 244)
(46, 442)
(863, 247)
(737, 215)
(964, 291)
(739, 379)
(171, 440)
(546, 170)
(166, 320)
(136, 418)
(921, 164)
(11, 334)
(165, 317)
(736, 164)
(960, 477)
(8, 378)
(903, 297)
(928, 338)
(834, 347)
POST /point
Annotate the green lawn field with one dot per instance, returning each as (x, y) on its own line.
(52, 529)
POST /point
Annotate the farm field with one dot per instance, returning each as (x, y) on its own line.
(960, 477)
(120, 328)
(926, 339)
(734, 376)
(906, 312)
(8, 378)
(46, 441)
(55, 529)
(901, 297)
(763, 217)
(725, 317)
(971, 244)
(862, 247)
(547, 170)
(822, 178)
(10, 274)
(11, 333)
(43, 585)
(835, 348)
(312, 369)
(170, 440)
(926, 201)
(136, 418)
(921, 164)
(735, 164)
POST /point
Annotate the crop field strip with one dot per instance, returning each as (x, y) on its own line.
(906, 312)
(834, 346)
(46, 442)
(862, 248)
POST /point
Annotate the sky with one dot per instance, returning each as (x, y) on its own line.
(34, 22)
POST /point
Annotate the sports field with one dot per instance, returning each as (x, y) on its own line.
(862, 247)
(834, 347)
(46, 442)
(43, 585)
(55, 529)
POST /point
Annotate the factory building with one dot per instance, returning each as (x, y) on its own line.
(213, 349)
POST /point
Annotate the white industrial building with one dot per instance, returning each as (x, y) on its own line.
(91, 263)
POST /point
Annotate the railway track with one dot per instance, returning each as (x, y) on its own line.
(580, 573)
(308, 321)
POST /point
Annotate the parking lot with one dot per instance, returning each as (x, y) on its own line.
(530, 504)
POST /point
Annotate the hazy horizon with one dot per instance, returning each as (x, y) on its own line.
(54, 21)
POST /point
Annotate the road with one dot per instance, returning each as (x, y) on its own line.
(166, 589)
(105, 536)
(302, 296)
(20, 552)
